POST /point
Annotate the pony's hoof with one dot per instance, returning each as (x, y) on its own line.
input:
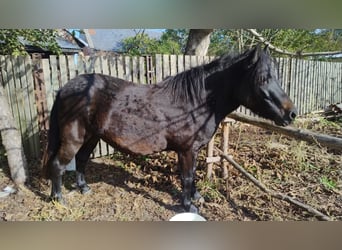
(85, 189)
(198, 197)
(58, 199)
(193, 209)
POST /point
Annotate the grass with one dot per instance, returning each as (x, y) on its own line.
(209, 189)
(328, 183)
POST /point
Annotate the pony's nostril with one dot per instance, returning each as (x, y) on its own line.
(292, 115)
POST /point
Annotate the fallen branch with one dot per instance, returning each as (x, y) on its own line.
(301, 134)
(280, 196)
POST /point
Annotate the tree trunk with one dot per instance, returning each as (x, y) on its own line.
(11, 140)
(198, 42)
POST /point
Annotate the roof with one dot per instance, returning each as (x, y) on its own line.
(110, 39)
(65, 45)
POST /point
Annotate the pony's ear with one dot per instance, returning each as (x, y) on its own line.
(256, 53)
(266, 49)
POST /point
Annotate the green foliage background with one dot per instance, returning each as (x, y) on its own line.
(12, 40)
(173, 41)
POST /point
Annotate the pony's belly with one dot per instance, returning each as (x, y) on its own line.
(139, 145)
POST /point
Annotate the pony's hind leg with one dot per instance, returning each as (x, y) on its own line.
(59, 163)
(82, 158)
(72, 138)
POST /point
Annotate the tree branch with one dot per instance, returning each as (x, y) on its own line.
(289, 53)
(280, 196)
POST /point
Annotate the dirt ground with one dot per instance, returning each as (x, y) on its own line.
(148, 188)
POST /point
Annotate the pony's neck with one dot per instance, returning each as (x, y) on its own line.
(222, 93)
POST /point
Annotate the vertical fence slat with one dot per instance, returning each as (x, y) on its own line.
(105, 65)
(120, 66)
(63, 69)
(159, 67)
(113, 66)
(173, 65)
(180, 63)
(127, 68)
(142, 70)
(6, 67)
(166, 66)
(71, 66)
(19, 98)
(187, 64)
(33, 123)
(25, 118)
(135, 69)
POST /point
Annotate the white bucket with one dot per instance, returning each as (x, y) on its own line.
(187, 217)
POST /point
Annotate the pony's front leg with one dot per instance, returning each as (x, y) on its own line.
(186, 163)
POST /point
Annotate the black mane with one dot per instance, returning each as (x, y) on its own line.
(187, 86)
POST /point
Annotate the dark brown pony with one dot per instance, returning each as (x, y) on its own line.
(180, 113)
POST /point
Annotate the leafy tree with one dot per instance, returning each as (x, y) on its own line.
(299, 40)
(13, 40)
(178, 36)
(141, 44)
(173, 41)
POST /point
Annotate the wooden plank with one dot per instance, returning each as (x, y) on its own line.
(24, 106)
(206, 59)
(187, 64)
(112, 63)
(19, 99)
(34, 127)
(339, 82)
(210, 155)
(319, 86)
(95, 64)
(4, 67)
(80, 65)
(142, 70)
(50, 95)
(302, 84)
(294, 82)
(166, 66)
(63, 70)
(150, 70)
(159, 68)
(180, 63)
(311, 80)
(128, 69)
(54, 73)
(200, 60)
(12, 89)
(193, 61)
(105, 65)
(89, 62)
(173, 65)
(120, 67)
(135, 69)
(316, 81)
(71, 66)
(212, 159)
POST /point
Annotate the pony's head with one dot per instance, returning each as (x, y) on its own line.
(260, 88)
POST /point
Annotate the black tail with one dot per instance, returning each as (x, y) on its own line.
(53, 139)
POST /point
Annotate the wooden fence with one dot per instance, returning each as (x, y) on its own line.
(31, 84)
